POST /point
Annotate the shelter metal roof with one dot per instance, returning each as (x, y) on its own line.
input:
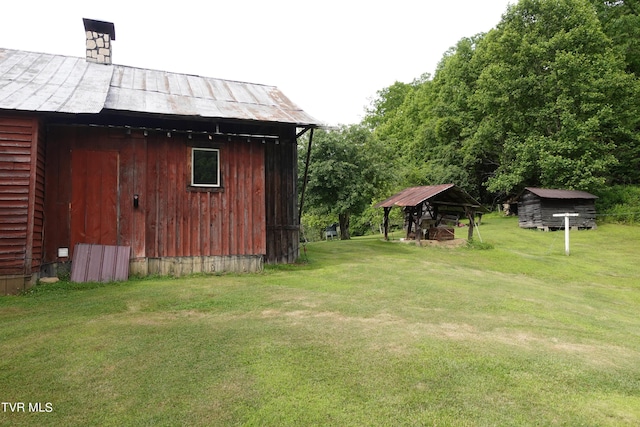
(54, 83)
(560, 194)
(446, 194)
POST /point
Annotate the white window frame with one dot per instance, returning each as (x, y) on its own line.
(193, 167)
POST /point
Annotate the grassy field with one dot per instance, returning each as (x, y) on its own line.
(365, 332)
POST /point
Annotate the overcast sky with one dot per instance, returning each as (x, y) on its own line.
(330, 57)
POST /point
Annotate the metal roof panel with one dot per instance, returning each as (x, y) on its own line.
(51, 83)
(443, 194)
(413, 196)
(54, 83)
(547, 193)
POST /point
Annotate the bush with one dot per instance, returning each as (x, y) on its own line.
(620, 204)
(313, 226)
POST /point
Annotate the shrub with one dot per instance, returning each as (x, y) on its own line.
(620, 204)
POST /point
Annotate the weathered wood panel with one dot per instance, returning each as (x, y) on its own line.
(537, 212)
(94, 197)
(58, 191)
(37, 207)
(283, 226)
(172, 218)
(18, 177)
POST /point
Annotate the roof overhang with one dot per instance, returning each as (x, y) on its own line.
(448, 195)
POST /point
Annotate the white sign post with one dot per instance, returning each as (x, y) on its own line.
(566, 229)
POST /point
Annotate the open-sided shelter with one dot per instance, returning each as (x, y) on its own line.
(536, 207)
(431, 208)
(191, 173)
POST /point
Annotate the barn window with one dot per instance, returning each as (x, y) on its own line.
(205, 169)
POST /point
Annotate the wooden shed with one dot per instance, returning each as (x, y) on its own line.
(536, 207)
(432, 210)
(194, 174)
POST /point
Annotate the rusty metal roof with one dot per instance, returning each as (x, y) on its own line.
(54, 83)
(446, 194)
(413, 196)
(546, 193)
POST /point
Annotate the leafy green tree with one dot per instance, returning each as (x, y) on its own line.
(550, 97)
(449, 122)
(386, 103)
(621, 22)
(348, 169)
(554, 97)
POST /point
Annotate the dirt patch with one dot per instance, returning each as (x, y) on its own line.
(455, 243)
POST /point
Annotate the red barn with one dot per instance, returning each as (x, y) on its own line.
(193, 174)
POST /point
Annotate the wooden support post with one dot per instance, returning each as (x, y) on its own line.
(409, 220)
(418, 225)
(471, 216)
(385, 223)
(306, 174)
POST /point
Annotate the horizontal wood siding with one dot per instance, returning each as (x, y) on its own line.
(18, 172)
(172, 219)
(283, 226)
(529, 214)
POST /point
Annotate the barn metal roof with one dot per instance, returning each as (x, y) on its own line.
(43, 82)
(448, 194)
(546, 193)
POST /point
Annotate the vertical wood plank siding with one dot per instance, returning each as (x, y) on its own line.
(283, 230)
(537, 212)
(186, 221)
(173, 219)
(39, 203)
(21, 195)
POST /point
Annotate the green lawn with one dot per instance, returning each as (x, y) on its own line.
(511, 332)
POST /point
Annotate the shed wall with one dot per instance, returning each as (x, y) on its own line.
(537, 212)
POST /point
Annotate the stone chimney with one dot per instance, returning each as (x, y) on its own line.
(100, 34)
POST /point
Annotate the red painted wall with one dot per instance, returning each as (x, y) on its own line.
(172, 219)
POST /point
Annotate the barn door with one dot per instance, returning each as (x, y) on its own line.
(94, 197)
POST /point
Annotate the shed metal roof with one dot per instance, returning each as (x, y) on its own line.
(546, 193)
(43, 82)
(448, 194)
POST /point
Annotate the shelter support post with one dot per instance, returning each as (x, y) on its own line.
(471, 214)
(385, 223)
(306, 173)
(418, 224)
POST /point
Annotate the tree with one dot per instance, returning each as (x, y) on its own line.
(554, 97)
(621, 22)
(550, 97)
(347, 170)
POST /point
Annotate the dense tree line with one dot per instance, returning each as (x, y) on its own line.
(549, 97)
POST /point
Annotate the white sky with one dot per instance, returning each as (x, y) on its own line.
(330, 57)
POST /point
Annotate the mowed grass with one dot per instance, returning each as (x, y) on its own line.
(364, 332)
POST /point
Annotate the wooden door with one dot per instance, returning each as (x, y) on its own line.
(94, 197)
